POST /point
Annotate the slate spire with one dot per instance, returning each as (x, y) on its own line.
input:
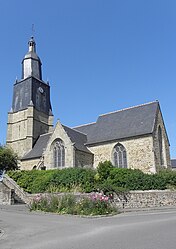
(31, 64)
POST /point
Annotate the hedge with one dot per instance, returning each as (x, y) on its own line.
(89, 180)
(64, 180)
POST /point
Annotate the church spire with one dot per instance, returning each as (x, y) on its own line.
(31, 64)
(32, 45)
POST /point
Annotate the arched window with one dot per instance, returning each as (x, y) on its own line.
(58, 153)
(160, 142)
(119, 156)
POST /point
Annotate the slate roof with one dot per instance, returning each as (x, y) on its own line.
(79, 139)
(86, 129)
(24, 91)
(173, 163)
(130, 122)
(38, 148)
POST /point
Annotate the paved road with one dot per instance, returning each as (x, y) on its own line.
(21, 229)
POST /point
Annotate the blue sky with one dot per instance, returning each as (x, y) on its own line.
(99, 56)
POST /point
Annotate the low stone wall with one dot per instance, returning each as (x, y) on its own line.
(15, 189)
(6, 195)
(133, 199)
(129, 200)
(146, 199)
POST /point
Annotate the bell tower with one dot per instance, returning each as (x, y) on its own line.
(31, 112)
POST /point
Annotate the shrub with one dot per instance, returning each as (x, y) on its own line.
(33, 181)
(110, 180)
(72, 177)
(67, 204)
(96, 204)
(103, 170)
(108, 188)
(130, 179)
(65, 180)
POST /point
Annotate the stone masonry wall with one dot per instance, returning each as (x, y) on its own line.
(139, 153)
(131, 200)
(165, 143)
(29, 164)
(6, 195)
(83, 159)
(19, 131)
(60, 133)
(24, 127)
(146, 199)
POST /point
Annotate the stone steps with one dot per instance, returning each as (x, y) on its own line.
(18, 195)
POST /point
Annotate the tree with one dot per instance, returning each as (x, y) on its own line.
(8, 159)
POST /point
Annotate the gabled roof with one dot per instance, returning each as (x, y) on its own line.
(86, 128)
(79, 139)
(125, 123)
(38, 148)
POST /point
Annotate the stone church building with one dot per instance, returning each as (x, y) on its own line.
(134, 138)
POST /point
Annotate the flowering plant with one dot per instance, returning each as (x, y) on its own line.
(95, 204)
(99, 197)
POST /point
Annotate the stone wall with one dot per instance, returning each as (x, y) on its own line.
(6, 195)
(59, 133)
(146, 199)
(14, 191)
(29, 164)
(139, 153)
(19, 131)
(129, 200)
(165, 143)
(132, 199)
(83, 159)
(24, 127)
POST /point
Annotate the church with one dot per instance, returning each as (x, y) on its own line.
(134, 137)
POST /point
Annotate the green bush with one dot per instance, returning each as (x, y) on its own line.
(72, 178)
(65, 180)
(33, 181)
(116, 180)
(108, 188)
(130, 179)
(106, 179)
(103, 170)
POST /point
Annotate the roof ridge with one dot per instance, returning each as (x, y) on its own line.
(46, 134)
(128, 108)
(83, 125)
(74, 130)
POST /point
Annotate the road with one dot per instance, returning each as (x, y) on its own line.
(21, 229)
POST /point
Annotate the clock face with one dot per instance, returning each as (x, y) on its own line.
(41, 89)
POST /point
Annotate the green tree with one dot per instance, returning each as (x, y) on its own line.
(8, 159)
